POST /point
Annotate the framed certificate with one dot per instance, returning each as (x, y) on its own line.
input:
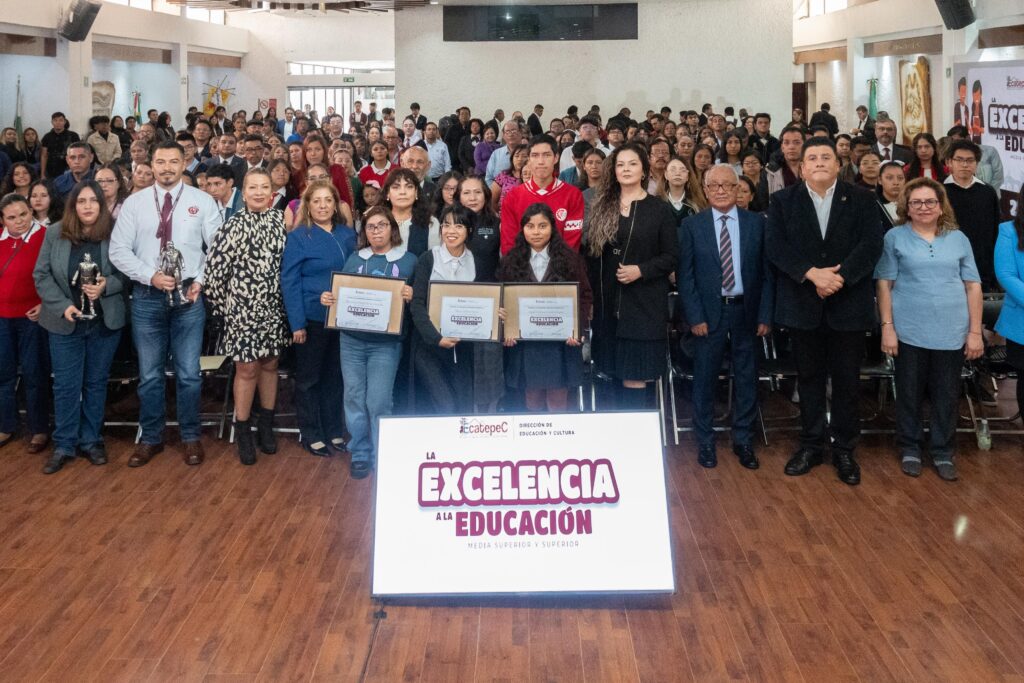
(465, 310)
(542, 311)
(365, 303)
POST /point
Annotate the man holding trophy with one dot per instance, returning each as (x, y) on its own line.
(158, 242)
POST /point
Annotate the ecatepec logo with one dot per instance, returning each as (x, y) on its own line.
(561, 214)
(477, 428)
(193, 210)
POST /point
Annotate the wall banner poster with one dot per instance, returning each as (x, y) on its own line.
(541, 503)
(989, 100)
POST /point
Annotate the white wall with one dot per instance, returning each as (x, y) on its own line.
(677, 61)
(157, 83)
(37, 103)
(276, 39)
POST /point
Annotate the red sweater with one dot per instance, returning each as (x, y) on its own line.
(17, 288)
(565, 200)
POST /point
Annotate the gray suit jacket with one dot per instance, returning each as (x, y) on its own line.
(53, 285)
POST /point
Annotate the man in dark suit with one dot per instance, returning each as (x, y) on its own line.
(824, 237)
(420, 119)
(533, 123)
(825, 118)
(726, 291)
(286, 126)
(252, 148)
(226, 155)
(961, 112)
(865, 124)
(885, 142)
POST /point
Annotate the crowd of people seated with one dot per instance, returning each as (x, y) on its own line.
(240, 223)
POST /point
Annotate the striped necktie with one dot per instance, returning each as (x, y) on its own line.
(725, 253)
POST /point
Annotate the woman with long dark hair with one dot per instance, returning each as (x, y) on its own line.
(444, 196)
(19, 179)
(164, 131)
(468, 144)
(632, 248)
(403, 197)
(926, 162)
(81, 349)
(545, 370)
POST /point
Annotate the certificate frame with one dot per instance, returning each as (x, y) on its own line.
(439, 289)
(383, 284)
(514, 291)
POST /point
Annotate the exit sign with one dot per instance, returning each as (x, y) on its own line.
(348, 79)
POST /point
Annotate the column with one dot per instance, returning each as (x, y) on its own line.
(179, 62)
(76, 58)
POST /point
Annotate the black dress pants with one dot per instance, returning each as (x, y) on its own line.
(319, 397)
(935, 374)
(822, 353)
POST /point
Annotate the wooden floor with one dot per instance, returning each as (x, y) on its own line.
(223, 573)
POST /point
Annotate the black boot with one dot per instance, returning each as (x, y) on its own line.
(265, 431)
(246, 447)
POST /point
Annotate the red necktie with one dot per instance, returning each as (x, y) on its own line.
(885, 154)
(164, 231)
(725, 254)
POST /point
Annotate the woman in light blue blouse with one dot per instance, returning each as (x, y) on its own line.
(1010, 273)
(929, 299)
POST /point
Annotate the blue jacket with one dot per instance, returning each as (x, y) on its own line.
(700, 271)
(1010, 273)
(311, 255)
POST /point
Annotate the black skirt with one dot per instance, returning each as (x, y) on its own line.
(543, 365)
(628, 359)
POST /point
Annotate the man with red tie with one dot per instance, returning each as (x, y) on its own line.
(170, 211)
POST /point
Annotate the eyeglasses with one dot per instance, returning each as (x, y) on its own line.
(378, 227)
(108, 181)
(923, 203)
(719, 187)
(966, 161)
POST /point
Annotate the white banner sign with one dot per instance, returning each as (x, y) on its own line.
(544, 503)
(989, 100)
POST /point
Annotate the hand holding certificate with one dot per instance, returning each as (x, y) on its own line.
(362, 303)
(465, 311)
(543, 312)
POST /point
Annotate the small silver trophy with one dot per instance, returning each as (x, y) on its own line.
(87, 274)
(172, 263)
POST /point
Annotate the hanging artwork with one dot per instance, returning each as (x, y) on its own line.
(915, 98)
(216, 96)
(103, 93)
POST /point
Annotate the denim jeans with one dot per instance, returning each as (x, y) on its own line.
(369, 369)
(81, 367)
(23, 343)
(157, 328)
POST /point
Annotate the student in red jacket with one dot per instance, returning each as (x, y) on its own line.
(22, 340)
(565, 200)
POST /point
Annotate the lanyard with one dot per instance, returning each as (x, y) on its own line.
(174, 205)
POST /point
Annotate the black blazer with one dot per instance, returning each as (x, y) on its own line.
(823, 118)
(899, 152)
(853, 240)
(699, 277)
(640, 308)
(420, 288)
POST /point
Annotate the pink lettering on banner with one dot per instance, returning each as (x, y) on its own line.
(565, 522)
(526, 482)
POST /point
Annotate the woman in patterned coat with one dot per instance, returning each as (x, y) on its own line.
(243, 286)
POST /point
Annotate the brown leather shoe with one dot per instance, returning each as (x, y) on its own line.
(143, 453)
(193, 454)
(38, 443)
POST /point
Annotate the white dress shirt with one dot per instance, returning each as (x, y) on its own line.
(823, 206)
(733, 226)
(539, 261)
(451, 268)
(433, 234)
(134, 245)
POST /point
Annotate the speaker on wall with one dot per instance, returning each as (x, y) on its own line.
(956, 14)
(77, 21)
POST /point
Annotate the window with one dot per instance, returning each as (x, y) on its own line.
(477, 23)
